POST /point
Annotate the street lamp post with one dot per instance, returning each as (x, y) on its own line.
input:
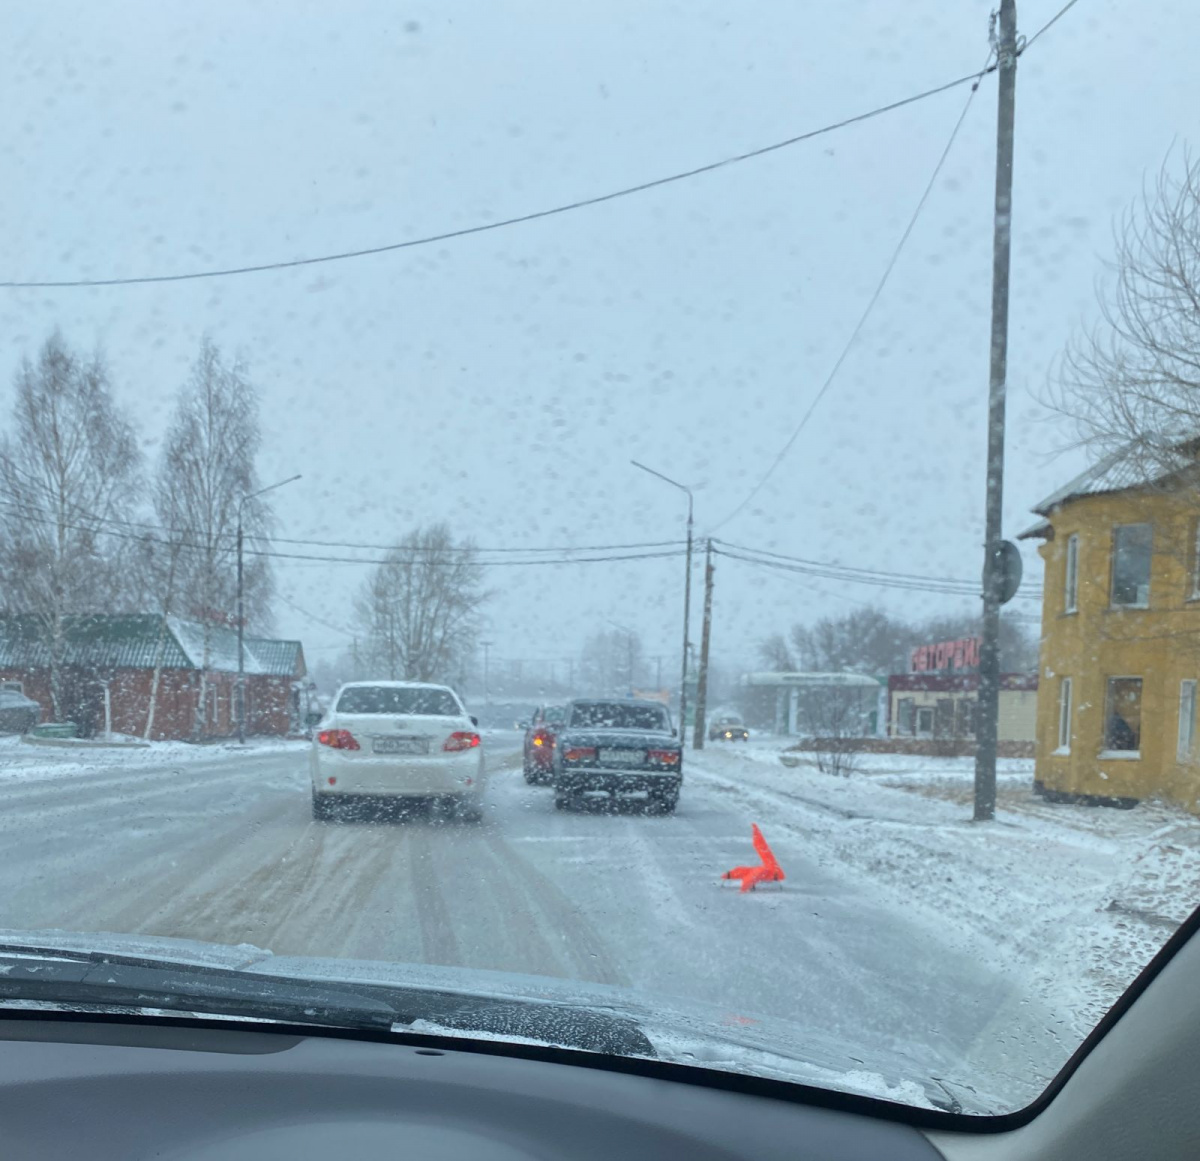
(687, 593)
(241, 619)
(487, 652)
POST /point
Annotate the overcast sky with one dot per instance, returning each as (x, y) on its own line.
(502, 382)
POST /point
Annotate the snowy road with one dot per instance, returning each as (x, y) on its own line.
(224, 849)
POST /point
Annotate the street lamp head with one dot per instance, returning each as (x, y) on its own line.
(665, 479)
(268, 488)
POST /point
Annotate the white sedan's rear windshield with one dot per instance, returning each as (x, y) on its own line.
(385, 699)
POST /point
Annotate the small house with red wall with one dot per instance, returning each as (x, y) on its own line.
(145, 675)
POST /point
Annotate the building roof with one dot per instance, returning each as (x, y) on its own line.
(141, 641)
(1139, 464)
(129, 641)
(279, 658)
(1036, 531)
(811, 679)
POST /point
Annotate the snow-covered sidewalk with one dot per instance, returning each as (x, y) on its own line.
(21, 760)
(1073, 899)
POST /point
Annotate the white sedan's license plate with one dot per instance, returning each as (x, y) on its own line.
(401, 745)
(622, 757)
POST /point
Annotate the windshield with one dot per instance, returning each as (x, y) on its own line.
(598, 504)
(616, 716)
(386, 699)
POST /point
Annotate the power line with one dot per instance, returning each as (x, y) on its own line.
(853, 570)
(312, 616)
(228, 539)
(520, 219)
(48, 519)
(1048, 25)
(473, 548)
(882, 580)
(862, 318)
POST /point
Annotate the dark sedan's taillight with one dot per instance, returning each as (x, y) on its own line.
(664, 757)
(579, 753)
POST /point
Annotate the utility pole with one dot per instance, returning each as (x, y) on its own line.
(993, 559)
(241, 619)
(687, 594)
(487, 646)
(702, 673)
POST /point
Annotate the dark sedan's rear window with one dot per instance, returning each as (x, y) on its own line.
(385, 699)
(606, 715)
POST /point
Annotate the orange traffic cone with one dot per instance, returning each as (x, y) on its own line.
(768, 871)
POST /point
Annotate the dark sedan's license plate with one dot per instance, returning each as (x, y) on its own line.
(401, 745)
(614, 757)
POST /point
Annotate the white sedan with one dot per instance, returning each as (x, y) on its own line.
(401, 740)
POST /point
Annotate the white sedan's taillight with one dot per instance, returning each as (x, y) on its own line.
(461, 740)
(338, 740)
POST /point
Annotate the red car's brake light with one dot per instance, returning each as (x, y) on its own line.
(461, 740)
(664, 757)
(543, 738)
(579, 753)
(338, 740)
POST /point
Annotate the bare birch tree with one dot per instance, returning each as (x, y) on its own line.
(420, 610)
(68, 476)
(206, 468)
(1131, 383)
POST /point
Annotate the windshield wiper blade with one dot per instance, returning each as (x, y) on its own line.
(70, 977)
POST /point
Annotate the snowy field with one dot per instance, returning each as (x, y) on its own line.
(908, 947)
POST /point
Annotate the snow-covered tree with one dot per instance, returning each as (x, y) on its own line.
(419, 611)
(68, 480)
(206, 469)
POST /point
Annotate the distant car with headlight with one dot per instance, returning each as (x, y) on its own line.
(727, 728)
(400, 740)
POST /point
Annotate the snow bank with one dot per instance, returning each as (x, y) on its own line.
(18, 760)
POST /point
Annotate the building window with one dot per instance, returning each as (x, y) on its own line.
(1071, 587)
(925, 722)
(1187, 719)
(1123, 717)
(904, 716)
(1194, 595)
(1132, 545)
(1064, 716)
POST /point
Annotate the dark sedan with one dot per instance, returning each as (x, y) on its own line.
(618, 747)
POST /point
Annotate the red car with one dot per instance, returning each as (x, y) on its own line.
(540, 737)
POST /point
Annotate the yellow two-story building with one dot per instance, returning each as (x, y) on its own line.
(1120, 651)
